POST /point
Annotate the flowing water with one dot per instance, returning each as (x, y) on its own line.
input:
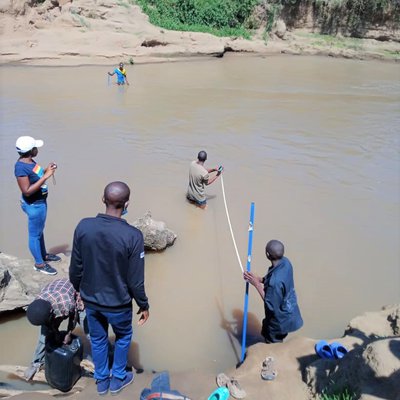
(314, 142)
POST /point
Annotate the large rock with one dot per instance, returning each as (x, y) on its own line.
(20, 283)
(371, 371)
(156, 234)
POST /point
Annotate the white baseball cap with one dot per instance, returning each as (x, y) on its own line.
(27, 143)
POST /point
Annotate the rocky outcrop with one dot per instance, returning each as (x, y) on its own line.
(20, 283)
(156, 234)
(372, 368)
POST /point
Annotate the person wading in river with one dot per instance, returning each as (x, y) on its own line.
(121, 75)
(199, 178)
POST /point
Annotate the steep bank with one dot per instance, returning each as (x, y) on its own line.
(60, 32)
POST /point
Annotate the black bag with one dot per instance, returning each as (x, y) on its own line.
(62, 363)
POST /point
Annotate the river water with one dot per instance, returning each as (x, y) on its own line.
(314, 142)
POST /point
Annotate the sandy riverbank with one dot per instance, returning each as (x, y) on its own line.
(85, 32)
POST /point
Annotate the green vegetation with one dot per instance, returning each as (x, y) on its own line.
(334, 41)
(345, 394)
(240, 17)
(219, 17)
(80, 20)
(393, 54)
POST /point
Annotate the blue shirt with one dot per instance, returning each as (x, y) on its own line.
(282, 312)
(34, 172)
(120, 75)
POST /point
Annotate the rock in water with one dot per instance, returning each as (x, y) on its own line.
(156, 234)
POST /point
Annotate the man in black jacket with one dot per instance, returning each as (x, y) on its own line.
(107, 268)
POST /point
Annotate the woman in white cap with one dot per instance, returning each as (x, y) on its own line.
(31, 178)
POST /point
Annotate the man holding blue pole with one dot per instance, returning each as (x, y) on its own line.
(276, 288)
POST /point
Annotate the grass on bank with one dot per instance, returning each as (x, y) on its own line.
(333, 41)
(336, 394)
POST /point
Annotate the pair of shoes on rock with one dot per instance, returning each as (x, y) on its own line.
(330, 351)
(268, 372)
(232, 385)
(45, 269)
(115, 385)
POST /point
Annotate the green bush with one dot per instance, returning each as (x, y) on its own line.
(220, 17)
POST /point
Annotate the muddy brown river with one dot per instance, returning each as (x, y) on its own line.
(314, 142)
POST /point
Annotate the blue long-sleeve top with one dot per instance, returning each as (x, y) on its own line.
(107, 264)
(280, 301)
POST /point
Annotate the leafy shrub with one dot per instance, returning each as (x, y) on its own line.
(220, 17)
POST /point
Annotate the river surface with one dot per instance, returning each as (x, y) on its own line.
(314, 142)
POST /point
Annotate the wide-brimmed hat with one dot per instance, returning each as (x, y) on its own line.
(27, 143)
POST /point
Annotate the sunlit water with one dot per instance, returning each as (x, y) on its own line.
(314, 142)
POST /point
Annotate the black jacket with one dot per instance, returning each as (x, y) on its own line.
(107, 264)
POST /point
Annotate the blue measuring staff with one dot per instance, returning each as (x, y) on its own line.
(246, 295)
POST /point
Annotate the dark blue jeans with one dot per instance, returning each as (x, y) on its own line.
(36, 213)
(121, 323)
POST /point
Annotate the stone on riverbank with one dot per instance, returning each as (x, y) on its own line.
(20, 283)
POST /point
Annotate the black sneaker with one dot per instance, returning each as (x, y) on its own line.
(46, 269)
(52, 257)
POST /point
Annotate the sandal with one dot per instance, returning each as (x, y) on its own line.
(232, 384)
(268, 373)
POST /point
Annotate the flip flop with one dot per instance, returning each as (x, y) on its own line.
(222, 393)
(222, 380)
(268, 373)
(232, 384)
(338, 350)
(323, 349)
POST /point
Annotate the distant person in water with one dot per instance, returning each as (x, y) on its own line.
(199, 177)
(121, 75)
(31, 178)
(276, 288)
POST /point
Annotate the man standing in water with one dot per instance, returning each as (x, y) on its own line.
(199, 178)
(121, 74)
(282, 313)
(107, 268)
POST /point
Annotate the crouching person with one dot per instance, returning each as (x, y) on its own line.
(56, 302)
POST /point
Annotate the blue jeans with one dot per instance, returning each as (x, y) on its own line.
(121, 323)
(160, 384)
(36, 213)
